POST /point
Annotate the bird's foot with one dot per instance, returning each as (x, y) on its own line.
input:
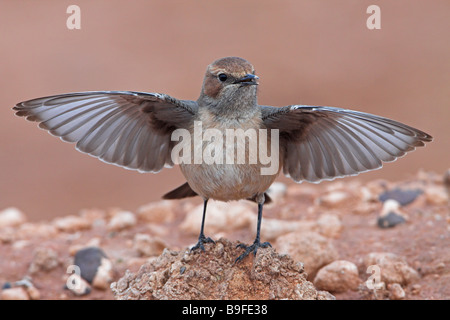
(202, 240)
(252, 248)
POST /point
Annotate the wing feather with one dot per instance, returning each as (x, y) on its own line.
(323, 143)
(129, 129)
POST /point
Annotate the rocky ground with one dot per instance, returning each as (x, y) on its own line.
(343, 240)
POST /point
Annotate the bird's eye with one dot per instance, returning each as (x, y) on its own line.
(223, 77)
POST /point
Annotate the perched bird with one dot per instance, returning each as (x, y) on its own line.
(134, 130)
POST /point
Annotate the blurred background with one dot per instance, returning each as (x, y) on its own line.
(305, 52)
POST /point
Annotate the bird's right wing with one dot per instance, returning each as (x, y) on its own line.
(323, 143)
(129, 129)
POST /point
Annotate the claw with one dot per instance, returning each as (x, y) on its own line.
(201, 241)
(252, 248)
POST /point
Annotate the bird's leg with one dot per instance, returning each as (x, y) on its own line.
(201, 238)
(257, 243)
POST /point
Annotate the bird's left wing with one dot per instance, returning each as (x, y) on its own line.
(323, 143)
(129, 129)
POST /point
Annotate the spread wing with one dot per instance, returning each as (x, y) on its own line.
(323, 143)
(129, 129)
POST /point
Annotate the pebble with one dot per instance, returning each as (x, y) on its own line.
(366, 195)
(396, 291)
(393, 268)
(338, 276)
(436, 196)
(16, 293)
(403, 197)
(71, 223)
(122, 220)
(366, 207)
(11, 217)
(157, 212)
(77, 285)
(329, 225)
(89, 260)
(333, 198)
(390, 214)
(7, 235)
(104, 275)
(390, 220)
(310, 248)
(33, 293)
(44, 259)
(41, 230)
(147, 245)
(22, 290)
(6, 285)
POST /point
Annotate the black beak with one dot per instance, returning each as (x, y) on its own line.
(248, 79)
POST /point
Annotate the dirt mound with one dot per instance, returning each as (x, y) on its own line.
(214, 275)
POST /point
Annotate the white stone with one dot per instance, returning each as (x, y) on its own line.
(338, 276)
(104, 275)
(17, 293)
(11, 217)
(122, 220)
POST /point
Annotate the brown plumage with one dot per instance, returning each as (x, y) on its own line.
(134, 130)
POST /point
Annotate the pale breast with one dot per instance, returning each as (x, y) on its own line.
(230, 166)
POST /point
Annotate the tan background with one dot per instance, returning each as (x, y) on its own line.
(306, 52)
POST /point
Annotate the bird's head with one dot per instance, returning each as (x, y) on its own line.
(229, 81)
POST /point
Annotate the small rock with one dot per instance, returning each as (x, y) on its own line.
(158, 212)
(221, 217)
(366, 195)
(436, 196)
(71, 223)
(390, 220)
(311, 248)
(7, 235)
(393, 269)
(403, 197)
(333, 198)
(89, 260)
(6, 285)
(11, 217)
(41, 230)
(148, 246)
(33, 293)
(77, 285)
(415, 289)
(366, 207)
(122, 220)
(104, 275)
(44, 259)
(396, 291)
(390, 214)
(329, 225)
(16, 293)
(338, 276)
(20, 244)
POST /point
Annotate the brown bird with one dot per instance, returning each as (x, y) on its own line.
(135, 130)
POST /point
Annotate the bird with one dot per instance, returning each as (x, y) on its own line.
(135, 130)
